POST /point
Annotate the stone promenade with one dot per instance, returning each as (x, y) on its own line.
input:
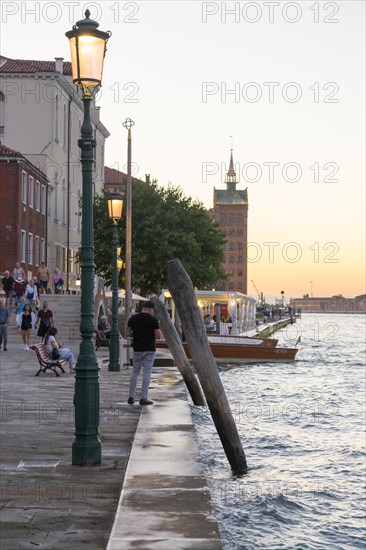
(45, 501)
(160, 502)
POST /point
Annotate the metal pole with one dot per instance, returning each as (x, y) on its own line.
(86, 449)
(114, 335)
(128, 291)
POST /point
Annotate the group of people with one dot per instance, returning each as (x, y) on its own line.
(27, 321)
(142, 327)
(16, 285)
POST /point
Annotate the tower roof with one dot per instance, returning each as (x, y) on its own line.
(230, 179)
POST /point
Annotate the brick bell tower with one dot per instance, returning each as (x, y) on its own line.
(230, 209)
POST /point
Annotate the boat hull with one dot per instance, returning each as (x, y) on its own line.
(238, 353)
(242, 340)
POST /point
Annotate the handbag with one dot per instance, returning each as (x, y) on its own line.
(55, 354)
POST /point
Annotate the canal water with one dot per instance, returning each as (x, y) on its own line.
(302, 426)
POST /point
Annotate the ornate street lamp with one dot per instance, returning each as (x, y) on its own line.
(120, 264)
(87, 47)
(115, 206)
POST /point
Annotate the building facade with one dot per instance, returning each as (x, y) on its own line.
(41, 116)
(230, 209)
(334, 304)
(23, 207)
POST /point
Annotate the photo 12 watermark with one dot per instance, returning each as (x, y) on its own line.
(270, 12)
(54, 12)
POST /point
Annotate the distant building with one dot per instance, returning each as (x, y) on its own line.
(41, 113)
(230, 209)
(23, 207)
(334, 304)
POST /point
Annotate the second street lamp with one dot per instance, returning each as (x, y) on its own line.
(115, 205)
(87, 48)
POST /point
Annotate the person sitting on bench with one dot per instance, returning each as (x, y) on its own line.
(51, 344)
(104, 327)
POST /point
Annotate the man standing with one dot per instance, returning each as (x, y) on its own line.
(43, 277)
(144, 328)
(4, 321)
(8, 286)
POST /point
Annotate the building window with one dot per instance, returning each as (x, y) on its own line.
(22, 245)
(231, 233)
(240, 259)
(231, 259)
(240, 272)
(31, 191)
(64, 201)
(231, 246)
(36, 250)
(43, 199)
(30, 248)
(223, 219)
(239, 220)
(231, 286)
(65, 127)
(24, 187)
(232, 220)
(240, 246)
(38, 195)
(240, 286)
(43, 250)
(55, 197)
(239, 233)
(2, 114)
(56, 117)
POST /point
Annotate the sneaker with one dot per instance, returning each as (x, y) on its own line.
(130, 400)
(5, 348)
(26, 348)
(146, 402)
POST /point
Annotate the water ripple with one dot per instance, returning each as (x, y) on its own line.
(302, 428)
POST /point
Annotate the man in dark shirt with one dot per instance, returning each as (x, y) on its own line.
(8, 286)
(144, 328)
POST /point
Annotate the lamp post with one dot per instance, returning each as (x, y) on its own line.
(115, 205)
(128, 123)
(87, 47)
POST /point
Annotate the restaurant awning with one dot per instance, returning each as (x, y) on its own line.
(121, 294)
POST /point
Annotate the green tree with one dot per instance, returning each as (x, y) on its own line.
(165, 225)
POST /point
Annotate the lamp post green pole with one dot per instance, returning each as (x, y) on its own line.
(86, 449)
(87, 49)
(114, 334)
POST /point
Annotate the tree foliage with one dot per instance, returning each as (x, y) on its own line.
(165, 225)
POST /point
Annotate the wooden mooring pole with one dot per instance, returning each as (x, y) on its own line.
(177, 350)
(182, 291)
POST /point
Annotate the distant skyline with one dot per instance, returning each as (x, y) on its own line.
(280, 83)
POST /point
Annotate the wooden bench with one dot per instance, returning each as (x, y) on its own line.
(44, 360)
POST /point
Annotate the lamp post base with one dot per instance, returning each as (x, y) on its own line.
(86, 454)
(114, 353)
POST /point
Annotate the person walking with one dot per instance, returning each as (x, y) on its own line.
(144, 329)
(4, 322)
(8, 287)
(31, 293)
(43, 277)
(27, 324)
(57, 280)
(51, 344)
(18, 272)
(19, 290)
(45, 319)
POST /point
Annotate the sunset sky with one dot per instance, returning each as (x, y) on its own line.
(281, 83)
